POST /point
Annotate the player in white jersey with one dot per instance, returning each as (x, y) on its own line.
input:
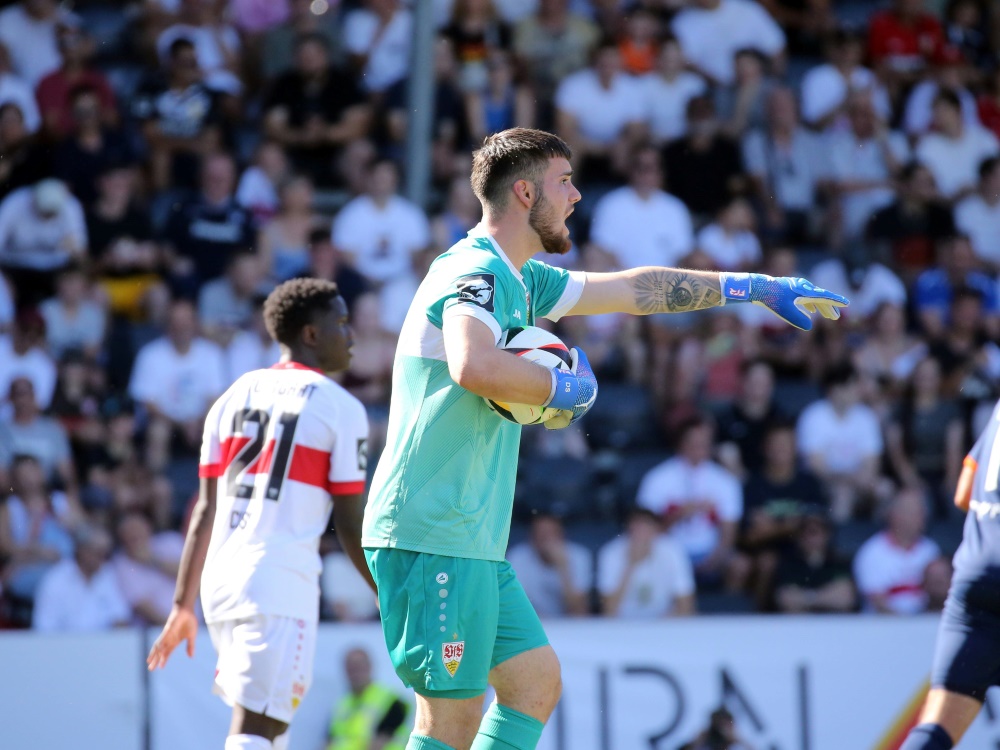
(279, 445)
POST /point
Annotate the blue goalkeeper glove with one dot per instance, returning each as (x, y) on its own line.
(574, 391)
(789, 299)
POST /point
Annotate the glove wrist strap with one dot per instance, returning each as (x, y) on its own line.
(567, 386)
(552, 390)
(735, 287)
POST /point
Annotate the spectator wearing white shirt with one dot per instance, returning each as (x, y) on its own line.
(29, 433)
(176, 378)
(949, 74)
(22, 356)
(640, 224)
(226, 305)
(954, 151)
(28, 30)
(978, 216)
(864, 160)
(377, 38)
(599, 111)
(82, 595)
(712, 31)
(557, 575)
(257, 190)
(15, 90)
(700, 504)
(73, 320)
(668, 89)
(644, 574)
(730, 240)
(42, 229)
(786, 165)
(826, 88)
(383, 235)
(889, 568)
(216, 44)
(840, 440)
(146, 567)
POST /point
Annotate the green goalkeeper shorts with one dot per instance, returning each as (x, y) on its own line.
(448, 621)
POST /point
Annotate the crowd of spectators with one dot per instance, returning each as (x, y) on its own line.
(164, 163)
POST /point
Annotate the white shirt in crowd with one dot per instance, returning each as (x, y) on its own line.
(268, 562)
(182, 386)
(825, 89)
(955, 162)
(30, 42)
(853, 160)
(878, 285)
(13, 89)
(656, 582)
(919, 112)
(981, 222)
(710, 38)
(844, 442)
(342, 584)
(884, 568)
(35, 365)
(730, 251)
(67, 602)
(382, 240)
(792, 173)
(248, 351)
(542, 582)
(388, 50)
(211, 45)
(652, 232)
(666, 103)
(256, 193)
(675, 482)
(28, 240)
(601, 114)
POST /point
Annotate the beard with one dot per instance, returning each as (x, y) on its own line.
(541, 219)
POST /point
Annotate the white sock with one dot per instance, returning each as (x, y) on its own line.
(247, 742)
(280, 742)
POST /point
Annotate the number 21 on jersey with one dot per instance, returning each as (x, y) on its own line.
(266, 447)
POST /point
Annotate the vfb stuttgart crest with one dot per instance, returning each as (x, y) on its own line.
(451, 655)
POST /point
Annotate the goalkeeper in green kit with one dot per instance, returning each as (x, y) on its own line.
(435, 532)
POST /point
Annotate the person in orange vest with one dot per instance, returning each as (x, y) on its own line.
(371, 716)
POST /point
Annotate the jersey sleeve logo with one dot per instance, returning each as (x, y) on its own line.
(362, 454)
(477, 289)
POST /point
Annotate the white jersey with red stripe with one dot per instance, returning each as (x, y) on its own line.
(281, 442)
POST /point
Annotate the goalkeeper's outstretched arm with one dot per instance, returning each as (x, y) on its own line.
(651, 289)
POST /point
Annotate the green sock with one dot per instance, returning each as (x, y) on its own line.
(504, 728)
(419, 742)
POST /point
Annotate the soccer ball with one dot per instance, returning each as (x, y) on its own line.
(537, 345)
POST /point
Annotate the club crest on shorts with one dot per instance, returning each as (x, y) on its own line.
(451, 655)
(441, 578)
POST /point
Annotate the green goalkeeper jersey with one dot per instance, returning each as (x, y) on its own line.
(445, 481)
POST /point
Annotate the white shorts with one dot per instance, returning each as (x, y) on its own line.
(265, 663)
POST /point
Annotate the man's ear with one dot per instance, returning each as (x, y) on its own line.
(309, 335)
(525, 192)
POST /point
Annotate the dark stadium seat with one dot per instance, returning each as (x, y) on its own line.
(562, 486)
(721, 602)
(850, 535)
(629, 471)
(796, 395)
(623, 417)
(947, 534)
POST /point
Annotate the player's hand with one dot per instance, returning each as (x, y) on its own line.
(575, 391)
(790, 299)
(181, 625)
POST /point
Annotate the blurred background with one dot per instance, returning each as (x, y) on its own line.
(165, 163)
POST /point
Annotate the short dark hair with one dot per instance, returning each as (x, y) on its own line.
(292, 305)
(178, 45)
(987, 165)
(509, 156)
(949, 97)
(839, 374)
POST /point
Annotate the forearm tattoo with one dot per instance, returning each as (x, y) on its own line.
(665, 290)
